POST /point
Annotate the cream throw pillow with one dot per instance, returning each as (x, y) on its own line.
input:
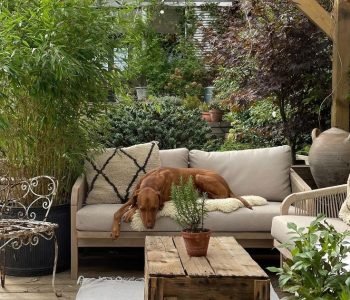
(344, 212)
(113, 174)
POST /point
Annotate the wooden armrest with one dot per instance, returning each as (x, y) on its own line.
(297, 183)
(78, 192)
(311, 203)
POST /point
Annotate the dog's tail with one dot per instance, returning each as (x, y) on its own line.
(245, 202)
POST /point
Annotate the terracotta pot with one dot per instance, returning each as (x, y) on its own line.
(196, 242)
(329, 157)
(216, 115)
(206, 116)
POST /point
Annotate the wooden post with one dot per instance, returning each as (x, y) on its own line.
(341, 65)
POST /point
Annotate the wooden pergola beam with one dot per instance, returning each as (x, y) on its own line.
(317, 14)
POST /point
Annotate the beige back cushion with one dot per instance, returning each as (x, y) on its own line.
(174, 158)
(113, 174)
(261, 172)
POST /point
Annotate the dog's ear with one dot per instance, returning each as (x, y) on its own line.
(134, 197)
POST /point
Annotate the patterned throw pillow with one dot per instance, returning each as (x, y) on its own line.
(113, 174)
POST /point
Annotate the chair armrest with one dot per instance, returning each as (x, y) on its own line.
(297, 183)
(311, 203)
(78, 193)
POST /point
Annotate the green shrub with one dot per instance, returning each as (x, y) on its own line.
(170, 124)
(254, 127)
(191, 102)
(230, 145)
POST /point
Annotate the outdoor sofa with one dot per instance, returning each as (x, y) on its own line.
(262, 172)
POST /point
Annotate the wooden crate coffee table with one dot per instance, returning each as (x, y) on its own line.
(227, 272)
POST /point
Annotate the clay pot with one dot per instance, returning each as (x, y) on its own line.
(329, 157)
(196, 242)
(216, 115)
(206, 116)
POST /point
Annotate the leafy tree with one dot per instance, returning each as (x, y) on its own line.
(273, 50)
(167, 63)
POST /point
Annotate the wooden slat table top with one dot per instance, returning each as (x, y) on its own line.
(162, 257)
(167, 257)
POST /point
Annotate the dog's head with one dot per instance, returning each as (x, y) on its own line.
(148, 202)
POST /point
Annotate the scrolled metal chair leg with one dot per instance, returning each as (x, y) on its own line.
(57, 293)
(2, 267)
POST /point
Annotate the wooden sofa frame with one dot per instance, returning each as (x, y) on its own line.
(327, 201)
(81, 239)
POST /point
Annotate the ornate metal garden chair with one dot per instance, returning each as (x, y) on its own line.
(18, 224)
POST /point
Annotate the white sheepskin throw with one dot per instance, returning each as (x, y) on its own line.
(344, 213)
(226, 205)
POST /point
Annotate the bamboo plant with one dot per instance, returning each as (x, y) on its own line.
(53, 85)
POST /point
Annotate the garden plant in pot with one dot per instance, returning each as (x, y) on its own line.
(54, 87)
(216, 112)
(205, 112)
(191, 212)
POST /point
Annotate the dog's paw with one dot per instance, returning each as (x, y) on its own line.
(127, 218)
(114, 235)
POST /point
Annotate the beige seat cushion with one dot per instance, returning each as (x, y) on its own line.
(174, 158)
(113, 174)
(279, 229)
(262, 172)
(100, 217)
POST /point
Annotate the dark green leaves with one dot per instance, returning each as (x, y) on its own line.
(164, 121)
(317, 269)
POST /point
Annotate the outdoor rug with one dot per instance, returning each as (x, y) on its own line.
(106, 288)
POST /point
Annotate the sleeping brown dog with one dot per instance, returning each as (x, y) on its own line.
(155, 188)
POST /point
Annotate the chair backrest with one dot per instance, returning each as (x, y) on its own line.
(21, 198)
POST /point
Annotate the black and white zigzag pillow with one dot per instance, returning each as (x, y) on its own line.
(113, 174)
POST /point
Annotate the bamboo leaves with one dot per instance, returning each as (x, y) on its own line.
(53, 86)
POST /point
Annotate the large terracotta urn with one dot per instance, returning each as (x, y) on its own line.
(329, 157)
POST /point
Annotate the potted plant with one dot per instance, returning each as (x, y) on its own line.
(191, 212)
(216, 112)
(318, 268)
(54, 87)
(205, 112)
